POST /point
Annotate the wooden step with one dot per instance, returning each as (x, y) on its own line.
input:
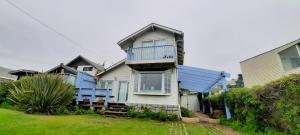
(114, 113)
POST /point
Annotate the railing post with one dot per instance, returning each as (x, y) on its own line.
(224, 84)
(203, 107)
(78, 96)
(210, 108)
(92, 96)
(107, 96)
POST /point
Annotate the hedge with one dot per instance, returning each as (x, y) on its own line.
(274, 106)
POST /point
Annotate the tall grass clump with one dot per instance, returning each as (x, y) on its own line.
(42, 93)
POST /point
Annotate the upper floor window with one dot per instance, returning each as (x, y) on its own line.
(290, 58)
(87, 68)
(154, 43)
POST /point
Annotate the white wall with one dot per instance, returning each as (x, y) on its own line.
(190, 102)
(155, 35)
(266, 67)
(171, 99)
(121, 73)
(125, 73)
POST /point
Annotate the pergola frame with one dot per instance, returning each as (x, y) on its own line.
(202, 80)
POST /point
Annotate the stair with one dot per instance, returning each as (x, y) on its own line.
(116, 109)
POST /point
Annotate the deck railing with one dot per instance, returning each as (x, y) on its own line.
(92, 94)
(163, 52)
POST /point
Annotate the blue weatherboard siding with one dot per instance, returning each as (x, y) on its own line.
(86, 88)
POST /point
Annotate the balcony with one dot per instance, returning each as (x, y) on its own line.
(163, 56)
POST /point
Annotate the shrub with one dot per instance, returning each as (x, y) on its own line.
(146, 113)
(185, 112)
(272, 107)
(42, 93)
(162, 116)
(172, 117)
(5, 86)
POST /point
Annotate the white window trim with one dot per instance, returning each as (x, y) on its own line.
(161, 92)
(106, 83)
(280, 61)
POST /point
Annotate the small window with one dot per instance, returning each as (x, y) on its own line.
(105, 84)
(87, 68)
(150, 43)
(167, 82)
(290, 58)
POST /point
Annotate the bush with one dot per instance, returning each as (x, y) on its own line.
(5, 86)
(162, 116)
(273, 107)
(172, 117)
(42, 93)
(185, 112)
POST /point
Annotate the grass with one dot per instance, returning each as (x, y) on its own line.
(14, 122)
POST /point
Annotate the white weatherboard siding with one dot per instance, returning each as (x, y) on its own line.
(125, 73)
(155, 35)
(266, 67)
(169, 99)
(120, 73)
(190, 102)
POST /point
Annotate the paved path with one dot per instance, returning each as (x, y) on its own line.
(213, 125)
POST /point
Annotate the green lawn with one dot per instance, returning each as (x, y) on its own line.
(13, 122)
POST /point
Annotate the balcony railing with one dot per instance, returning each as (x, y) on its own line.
(163, 52)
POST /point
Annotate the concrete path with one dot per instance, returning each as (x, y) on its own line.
(213, 125)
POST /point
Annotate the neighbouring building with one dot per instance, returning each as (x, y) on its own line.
(4, 74)
(23, 72)
(79, 63)
(272, 65)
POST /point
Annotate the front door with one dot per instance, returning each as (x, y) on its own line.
(123, 88)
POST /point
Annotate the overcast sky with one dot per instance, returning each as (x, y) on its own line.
(218, 33)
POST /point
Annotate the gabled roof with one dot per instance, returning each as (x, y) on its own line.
(23, 71)
(113, 66)
(67, 68)
(147, 28)
(97, 66)
(288, 44)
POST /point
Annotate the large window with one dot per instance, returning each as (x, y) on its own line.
(290, 58)
(152, 82)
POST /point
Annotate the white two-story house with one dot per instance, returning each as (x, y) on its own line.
(148, 75)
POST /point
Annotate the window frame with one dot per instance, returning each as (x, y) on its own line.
(106, 84)
(280, 59)
(89, 67)
(163, 90)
